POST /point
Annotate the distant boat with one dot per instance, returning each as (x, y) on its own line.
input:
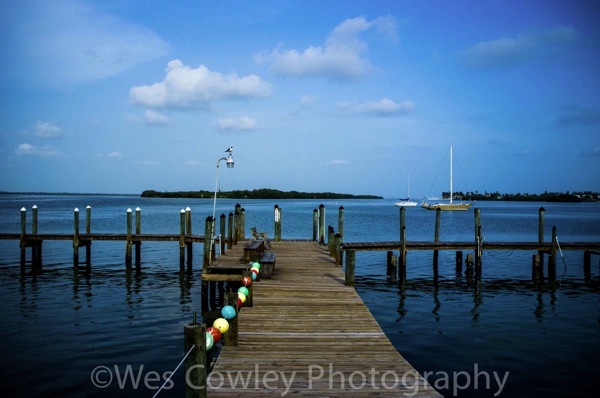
(447, 206)
(406, 202)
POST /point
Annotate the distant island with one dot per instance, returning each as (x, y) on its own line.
(263, 193)
(586, 196)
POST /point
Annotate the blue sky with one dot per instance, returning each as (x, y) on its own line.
(350, 97)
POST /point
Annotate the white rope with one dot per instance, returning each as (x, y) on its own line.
(563, 258)
(172, 373)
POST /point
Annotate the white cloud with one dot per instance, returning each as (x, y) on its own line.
(188, 87)
(154, 118)
(26, 149)
(69, 41)
(242, 123)
(341, 56)
(46, 130)
(383, 107)
(115, 154)
(510, 51)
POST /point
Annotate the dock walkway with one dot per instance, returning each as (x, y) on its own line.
(309, 334)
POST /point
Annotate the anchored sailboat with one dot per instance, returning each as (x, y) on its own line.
(447, 206)
(406, 202)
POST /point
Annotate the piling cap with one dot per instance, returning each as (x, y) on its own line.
(23, 209)
(88, 207)
(129, 210)
(188, 209)
(137, 209)
(76, 209)
(34, 207)
(182, 211)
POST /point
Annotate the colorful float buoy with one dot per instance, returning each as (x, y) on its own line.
(221, 324)
(242, 297)
(228, 312)
(210, 341)
(244, 290)
(215, 333)
(246, 281)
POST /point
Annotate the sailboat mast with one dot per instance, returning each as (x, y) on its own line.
(450, 174)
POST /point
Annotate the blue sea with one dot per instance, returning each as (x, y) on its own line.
(114, 331)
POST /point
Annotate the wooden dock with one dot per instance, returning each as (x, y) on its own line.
(309, 334)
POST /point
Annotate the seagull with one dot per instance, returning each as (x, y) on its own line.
(230, 149)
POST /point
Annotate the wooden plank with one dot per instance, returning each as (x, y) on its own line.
(309, 334)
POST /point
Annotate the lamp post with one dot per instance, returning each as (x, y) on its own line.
(229, 161)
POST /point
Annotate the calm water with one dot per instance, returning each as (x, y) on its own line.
(59, 326)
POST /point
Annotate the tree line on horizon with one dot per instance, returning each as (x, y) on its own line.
(586, 196)
(263, 193)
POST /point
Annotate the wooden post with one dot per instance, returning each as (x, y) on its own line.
(330, 238)
(459, 259)
(541, 213)
(188, 231)
(392, 267)
(207, 243)
(322, 224)
(242, 224)
(350, 264)
(341, 221)
(231, 337)
(138, 230)
(76, 237)
(469, 264)
(238, 215)
(402, 268)
(552, 259)
(478, 259)
(236, 227)
(194, 335)
(88, 230)
(182, 237)
(129, 239)
(23, 244)
(438, 215)
(536, 268)
(230, 231)
(477, 220)
(315, 224)
(36, 246)
(277, 228)
(337, 251)
(222, 234)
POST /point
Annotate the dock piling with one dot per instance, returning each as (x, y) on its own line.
(315, 224)
(194, 335)
(222, 234)
(350, 265)
(129, 241)
(76, 237)
(322, 224)
(138, 230)
(277, 227)
(231, 338)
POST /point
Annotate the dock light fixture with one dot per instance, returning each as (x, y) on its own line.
(229, 161)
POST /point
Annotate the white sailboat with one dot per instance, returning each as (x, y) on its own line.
(447, 206)
(406, 202)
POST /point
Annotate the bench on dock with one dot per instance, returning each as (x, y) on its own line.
(267, 265)
(263, 235)
(253, 250)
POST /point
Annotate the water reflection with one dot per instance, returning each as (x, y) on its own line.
(450, 294)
